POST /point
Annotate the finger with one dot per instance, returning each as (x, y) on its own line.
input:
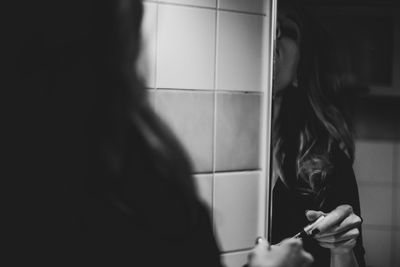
(261, 246)
(348, 244)
(352, 234)
(351, 222)
(312, 215)
(294, 243)
(307, 258)
(334, 218)
(291, 246)
(259, 249)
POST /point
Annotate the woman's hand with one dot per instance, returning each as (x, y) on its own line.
(289, 253)
(338, 230)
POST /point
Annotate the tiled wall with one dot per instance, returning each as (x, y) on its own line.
(377, 168)
(203, 63)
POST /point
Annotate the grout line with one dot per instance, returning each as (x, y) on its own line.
(212, 90)
(185, 89)
(240, 92)
(211, 8)
(202, 173)
(186, 5)
(236, 251)
(216, 43)
(156, 53)
(243, 12)
(238, 171)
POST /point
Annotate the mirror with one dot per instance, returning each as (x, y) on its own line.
(336, 126)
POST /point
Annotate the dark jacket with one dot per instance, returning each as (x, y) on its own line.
(289, 208)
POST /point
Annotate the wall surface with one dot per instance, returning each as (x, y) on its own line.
(203, 62)
(377, 168)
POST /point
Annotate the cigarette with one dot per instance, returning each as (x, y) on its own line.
(307, 231)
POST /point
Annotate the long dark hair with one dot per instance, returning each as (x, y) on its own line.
(131, 141)
(93, 129)
(123, 113)
(310, 124)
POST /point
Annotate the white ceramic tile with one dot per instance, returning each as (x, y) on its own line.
(377, 244)
(190, 114)
(203, 3)
(186, 47)
(204, 183)
(236, 205)
(237, 131)
(237, 259)
(240, 52)
(254, 6)
(146, 64)
(376, 205)
(151, 98)
(374, 161)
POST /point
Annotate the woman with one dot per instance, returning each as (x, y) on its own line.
(112, 186)
(313, 147)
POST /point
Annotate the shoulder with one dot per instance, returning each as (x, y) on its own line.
(340, 157)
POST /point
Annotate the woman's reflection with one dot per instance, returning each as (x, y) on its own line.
(313, 147)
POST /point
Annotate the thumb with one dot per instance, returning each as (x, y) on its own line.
(307, 258)
(312, 215)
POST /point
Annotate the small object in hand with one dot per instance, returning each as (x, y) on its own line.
(309, 230)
